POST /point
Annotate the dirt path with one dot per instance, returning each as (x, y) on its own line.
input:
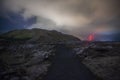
(66, 66)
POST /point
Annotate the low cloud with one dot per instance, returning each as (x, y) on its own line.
(72, 16)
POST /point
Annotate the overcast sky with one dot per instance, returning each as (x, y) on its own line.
(76, 17)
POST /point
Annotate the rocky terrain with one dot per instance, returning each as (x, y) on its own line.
(24, 61)
(39, 36)
(102, 58)
(26, 54)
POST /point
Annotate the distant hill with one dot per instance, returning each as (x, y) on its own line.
(38, 35)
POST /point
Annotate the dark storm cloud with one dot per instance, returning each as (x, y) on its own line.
(71, 16)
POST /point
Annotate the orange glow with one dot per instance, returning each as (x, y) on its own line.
(91, 37)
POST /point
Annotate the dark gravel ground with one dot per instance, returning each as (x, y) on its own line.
(67, 66)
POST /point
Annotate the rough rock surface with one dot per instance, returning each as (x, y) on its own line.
(24, 61)
(103, 59)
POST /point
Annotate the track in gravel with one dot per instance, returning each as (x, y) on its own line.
(67, 66)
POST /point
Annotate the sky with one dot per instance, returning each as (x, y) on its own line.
(75, 17)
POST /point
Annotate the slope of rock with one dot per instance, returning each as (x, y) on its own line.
(24, 57)
(39, 35)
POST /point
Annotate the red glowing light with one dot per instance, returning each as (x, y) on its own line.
(91, 37)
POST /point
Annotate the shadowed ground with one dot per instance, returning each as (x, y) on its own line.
(66, 66)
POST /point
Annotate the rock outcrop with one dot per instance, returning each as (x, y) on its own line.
(26, 54)
(39, 35)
